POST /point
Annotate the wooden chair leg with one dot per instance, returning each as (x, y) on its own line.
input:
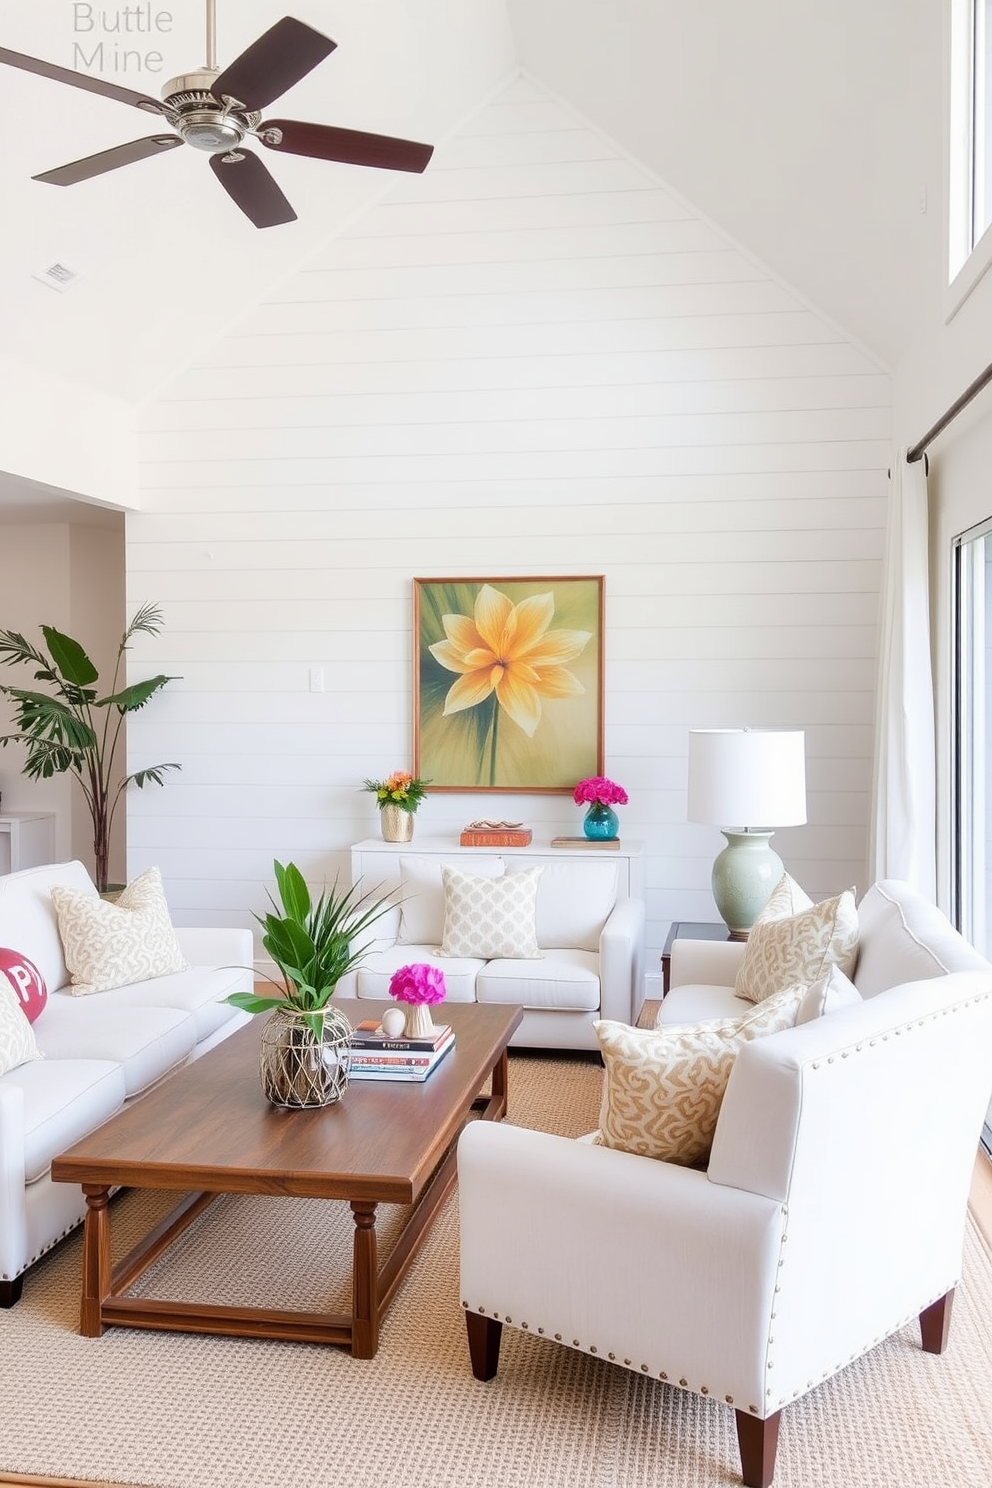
(758, 1442)
(484, 1334)
(935, 1324)
(10, 1291)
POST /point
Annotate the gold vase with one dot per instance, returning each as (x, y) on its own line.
(396, 824)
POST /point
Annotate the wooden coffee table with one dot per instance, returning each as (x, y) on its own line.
(208, 1130)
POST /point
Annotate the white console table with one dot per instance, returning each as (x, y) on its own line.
(374, 860)
(27, 840)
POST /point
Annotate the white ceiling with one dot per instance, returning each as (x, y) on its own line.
(812, 134)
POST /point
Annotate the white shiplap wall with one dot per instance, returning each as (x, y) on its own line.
(532, 360)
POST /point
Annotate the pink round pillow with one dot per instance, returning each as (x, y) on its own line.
(26, 980)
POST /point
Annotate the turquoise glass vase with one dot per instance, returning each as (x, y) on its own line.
(600, 823)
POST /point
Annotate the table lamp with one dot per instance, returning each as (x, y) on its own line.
(738, 777)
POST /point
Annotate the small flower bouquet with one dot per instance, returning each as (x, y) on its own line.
(401, 789)
(418, 986)
(599, 791)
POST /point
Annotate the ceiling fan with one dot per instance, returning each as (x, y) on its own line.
(216, 111)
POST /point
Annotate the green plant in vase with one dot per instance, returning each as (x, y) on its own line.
(306, 1044)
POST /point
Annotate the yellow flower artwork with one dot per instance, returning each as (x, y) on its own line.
(508, 682)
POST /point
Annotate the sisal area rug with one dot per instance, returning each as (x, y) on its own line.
(177, 1411)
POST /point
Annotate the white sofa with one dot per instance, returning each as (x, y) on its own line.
(99, 1052)
(590, 934)
(852, 1138)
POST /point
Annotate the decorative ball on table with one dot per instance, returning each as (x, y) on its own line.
(600, 823)
(418, 986)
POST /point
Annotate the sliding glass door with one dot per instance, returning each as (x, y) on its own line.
(972, 881)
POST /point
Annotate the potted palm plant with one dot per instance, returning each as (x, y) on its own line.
(71, 730)
(306, 1044)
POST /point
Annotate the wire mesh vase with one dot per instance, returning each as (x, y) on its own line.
(305, 1058)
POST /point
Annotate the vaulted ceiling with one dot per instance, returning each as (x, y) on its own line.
(811, 134)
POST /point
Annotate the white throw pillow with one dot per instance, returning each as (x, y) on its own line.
(17, 1041)
(111, 945)
(663, 1087)
(574, 901)
(833, 991)
(422, 896)
(799, 950)
(490, 917)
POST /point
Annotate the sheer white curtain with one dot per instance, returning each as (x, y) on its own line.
(902, 837)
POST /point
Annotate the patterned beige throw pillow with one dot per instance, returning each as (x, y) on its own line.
(487, 917)
(111, 945)
(664, 1086)
(17, 1042)
(798, 950)
(786, 899)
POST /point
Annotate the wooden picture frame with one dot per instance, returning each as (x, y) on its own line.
(536, 722)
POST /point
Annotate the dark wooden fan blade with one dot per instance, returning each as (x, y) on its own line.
(352, 146)
(80, 80)
(249, 185)
(272, 64)
(108, 160)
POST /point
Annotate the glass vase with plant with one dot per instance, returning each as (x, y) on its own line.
(600, 823)
(306, 1045)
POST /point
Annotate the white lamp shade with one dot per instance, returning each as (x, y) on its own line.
(747, 778)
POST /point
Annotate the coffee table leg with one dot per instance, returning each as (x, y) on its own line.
(96, 1259)
(365, 1283)
(500, 1084)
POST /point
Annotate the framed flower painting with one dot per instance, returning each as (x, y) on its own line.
(508, 683)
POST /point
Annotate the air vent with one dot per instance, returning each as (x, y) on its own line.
(57, 275)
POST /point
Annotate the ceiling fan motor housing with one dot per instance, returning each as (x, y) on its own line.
(205, 122)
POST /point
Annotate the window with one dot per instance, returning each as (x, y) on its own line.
(970, 174)
(972, 765)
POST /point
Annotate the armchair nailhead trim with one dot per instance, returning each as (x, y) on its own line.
(729, 1399)
(523, 1325)
(704, 1389)
(645, 1369)
(593, 1349)
(557, 1338)
(684, 1383)
(611, 1355)
(575, 1343)
(663, 1375)
(540, 1330)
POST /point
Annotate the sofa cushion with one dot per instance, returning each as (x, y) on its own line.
(17, 1040)
(563, 980)
(108, 945)
(698, 1002)
(574, 901)
(64, 1100)
(373, 976)
(200, 992)
(27, 915)
(25, 981)
(422, 897)
(906, 939)
(146, 1042)
(797, 951)
(833, 991)
(663, 1087)
(486, 917)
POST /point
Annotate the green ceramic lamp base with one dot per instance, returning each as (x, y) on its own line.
(744, 874)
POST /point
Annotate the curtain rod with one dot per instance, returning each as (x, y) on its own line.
(971, 391)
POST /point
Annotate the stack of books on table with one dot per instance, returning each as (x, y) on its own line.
(374, 1056)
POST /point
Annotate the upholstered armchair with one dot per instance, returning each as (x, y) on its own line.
(831, 1213)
